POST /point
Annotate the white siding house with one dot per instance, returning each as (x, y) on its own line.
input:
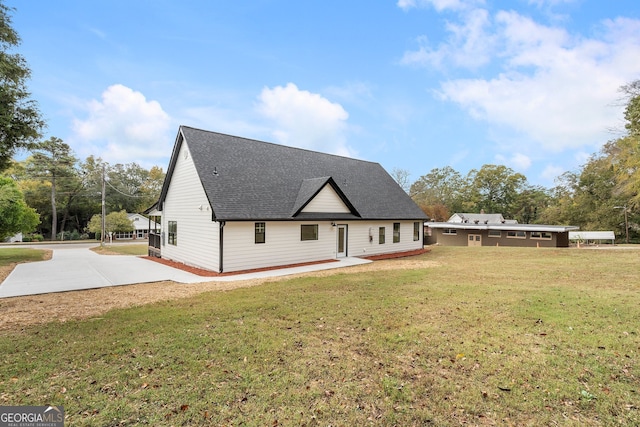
(233, 204)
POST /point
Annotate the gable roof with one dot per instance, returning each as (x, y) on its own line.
(246, 179)
(311, 187)
(481, 218)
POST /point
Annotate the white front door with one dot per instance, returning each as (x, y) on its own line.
(342, 241)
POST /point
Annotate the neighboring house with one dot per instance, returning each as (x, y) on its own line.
(141, 227)
(15, 238)
(465, 229)
(231, 204)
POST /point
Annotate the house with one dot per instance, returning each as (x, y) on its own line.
(232, 204)
(467, 229)
(141, 227)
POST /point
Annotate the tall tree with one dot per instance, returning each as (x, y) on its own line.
(401, 176)
(495, 189)
(20, 121)
(51, 161)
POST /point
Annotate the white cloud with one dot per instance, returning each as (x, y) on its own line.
(557, 90)
(469, 45)
(551, 172)
(123, 127)
(304, 119)
(518, 161)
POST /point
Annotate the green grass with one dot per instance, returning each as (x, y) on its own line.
(134, 249)
(491, 336)
(11, 255)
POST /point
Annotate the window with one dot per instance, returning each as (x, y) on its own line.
(396, 232)
(450, 231)
(173, 233)
(542, 235)
(416, 231)
(495, 233)
(381, 235)
(260, 232)
(516, 234)
(309, 232)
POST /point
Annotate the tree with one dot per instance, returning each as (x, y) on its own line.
(495, 189)
(439, 193)
(15, 215)
(401, 176)
(113, 223)
(52, 160)
(20, 121)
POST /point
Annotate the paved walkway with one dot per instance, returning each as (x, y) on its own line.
(75, 267)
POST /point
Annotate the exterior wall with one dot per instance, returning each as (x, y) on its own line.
(359, 244)
(327, 200)
(283, 245)
(461, 239)
(187, 204)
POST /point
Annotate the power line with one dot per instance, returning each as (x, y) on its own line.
(124, 194)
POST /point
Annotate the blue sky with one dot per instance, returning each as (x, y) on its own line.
(410, 84)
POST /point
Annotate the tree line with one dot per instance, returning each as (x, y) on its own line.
(67, 192)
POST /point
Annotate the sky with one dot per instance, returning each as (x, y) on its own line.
(410, 84)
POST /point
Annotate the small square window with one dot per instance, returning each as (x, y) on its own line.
(309, 232)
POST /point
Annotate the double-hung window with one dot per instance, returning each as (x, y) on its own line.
(396, 232)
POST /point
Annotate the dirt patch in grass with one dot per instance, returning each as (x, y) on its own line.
(19, 312)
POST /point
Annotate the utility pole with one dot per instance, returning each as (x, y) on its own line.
(626, 221)
(104, 209)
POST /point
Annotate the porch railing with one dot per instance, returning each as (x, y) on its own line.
(154, 244)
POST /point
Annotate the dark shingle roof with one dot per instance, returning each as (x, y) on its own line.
(246, 179)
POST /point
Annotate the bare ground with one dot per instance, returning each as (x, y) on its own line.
(19, 312)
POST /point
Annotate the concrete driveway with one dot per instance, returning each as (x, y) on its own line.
(74, 267)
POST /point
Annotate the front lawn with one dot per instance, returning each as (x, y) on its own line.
(10, 255)
(129, 249)
(490, 336)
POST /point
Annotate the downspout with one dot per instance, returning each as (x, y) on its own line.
(221, 248)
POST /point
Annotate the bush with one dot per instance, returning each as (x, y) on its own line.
(69, 235)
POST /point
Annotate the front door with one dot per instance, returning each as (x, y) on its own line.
(475, 240)
(342, 241)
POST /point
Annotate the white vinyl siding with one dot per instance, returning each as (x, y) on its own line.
(282, 247)
(187, 205)
(327, 200)
(360, 245)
